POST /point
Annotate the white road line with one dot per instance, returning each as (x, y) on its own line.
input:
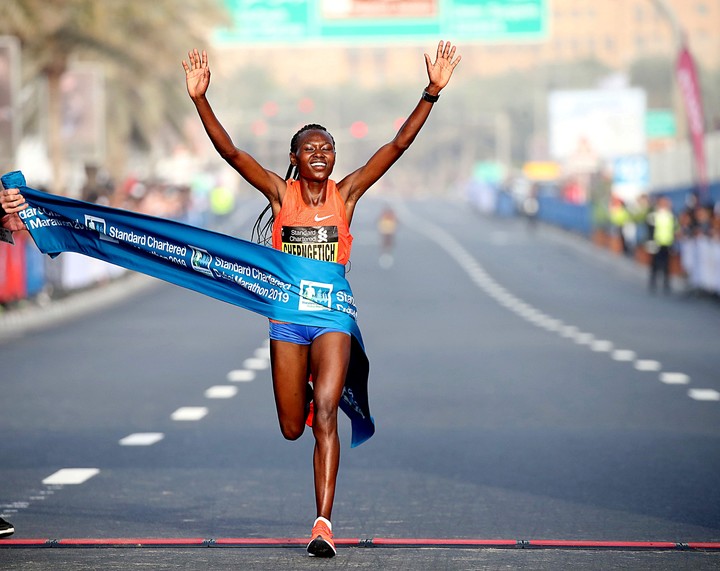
(601, 346)
(70, 476)
(623, 355)
(221, 392)
(584, 338)
(262, 353)
(704, 394)
(647, 365)
(189, 413)
(256, 364)
(674, 378)
(537, 317)
(142, 439)
(569, 331)
(241, 376)
(552, 325)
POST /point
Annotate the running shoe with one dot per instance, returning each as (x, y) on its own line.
(310, 412)
(321, 544)
(6, 528)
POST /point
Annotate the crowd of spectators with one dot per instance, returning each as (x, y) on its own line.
(698, 240)
(25, 274)
(153, 197)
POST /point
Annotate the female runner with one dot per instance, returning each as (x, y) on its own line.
(312, 216)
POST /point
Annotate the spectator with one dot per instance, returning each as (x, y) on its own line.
(663, 238)
(620, 219)
(688, 249)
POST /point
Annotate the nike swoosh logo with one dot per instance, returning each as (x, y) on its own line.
(321, 218)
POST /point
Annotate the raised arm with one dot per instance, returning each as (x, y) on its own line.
(353, 186)
(197, 77)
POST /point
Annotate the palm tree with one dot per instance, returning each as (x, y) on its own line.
(139, 45)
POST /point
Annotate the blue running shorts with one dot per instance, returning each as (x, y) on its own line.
(298, 334)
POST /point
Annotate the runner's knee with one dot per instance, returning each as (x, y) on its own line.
(325, 417)
(292, 430)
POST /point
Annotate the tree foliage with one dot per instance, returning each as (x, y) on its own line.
(139, 45)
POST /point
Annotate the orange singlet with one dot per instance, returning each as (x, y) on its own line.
(320, 233)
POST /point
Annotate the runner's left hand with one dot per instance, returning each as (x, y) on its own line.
(440, 71)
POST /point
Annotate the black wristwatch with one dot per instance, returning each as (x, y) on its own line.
(430, 98)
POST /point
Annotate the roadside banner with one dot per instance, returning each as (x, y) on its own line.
(687, 79)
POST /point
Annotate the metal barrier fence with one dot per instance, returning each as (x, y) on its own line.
(700, 259)
(25, 273)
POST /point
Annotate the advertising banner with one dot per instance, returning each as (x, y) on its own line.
(687, 79)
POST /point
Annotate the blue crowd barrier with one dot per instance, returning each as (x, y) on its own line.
(679, 196)
(34, 269)
(574, 217)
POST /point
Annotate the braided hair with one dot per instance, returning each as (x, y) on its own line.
(262, 230)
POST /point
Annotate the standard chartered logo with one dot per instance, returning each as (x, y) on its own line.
(201, 260)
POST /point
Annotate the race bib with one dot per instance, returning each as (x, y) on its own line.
(315, 242)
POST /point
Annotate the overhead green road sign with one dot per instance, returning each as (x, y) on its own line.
(497, 20)
(267, 21)
(356, 21)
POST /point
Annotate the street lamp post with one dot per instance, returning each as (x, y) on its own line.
(666, 10)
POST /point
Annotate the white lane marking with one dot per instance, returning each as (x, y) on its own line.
(189, 413)
(623, 355)
(647, 365)
(142, 439)
(221, 392)
(704, 394)
(535, 316)
(569, 331)
(553, 325)
(241, 376)
(70, 476)
(256, 364)
(584, 338)
(674, 378)
(601, 346)
(262, 353)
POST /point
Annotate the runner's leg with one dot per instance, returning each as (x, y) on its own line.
(290, 375)
(329, 358)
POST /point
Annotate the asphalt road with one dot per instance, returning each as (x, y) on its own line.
(525, 386)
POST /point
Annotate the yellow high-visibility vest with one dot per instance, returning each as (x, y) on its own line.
(664, 228)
